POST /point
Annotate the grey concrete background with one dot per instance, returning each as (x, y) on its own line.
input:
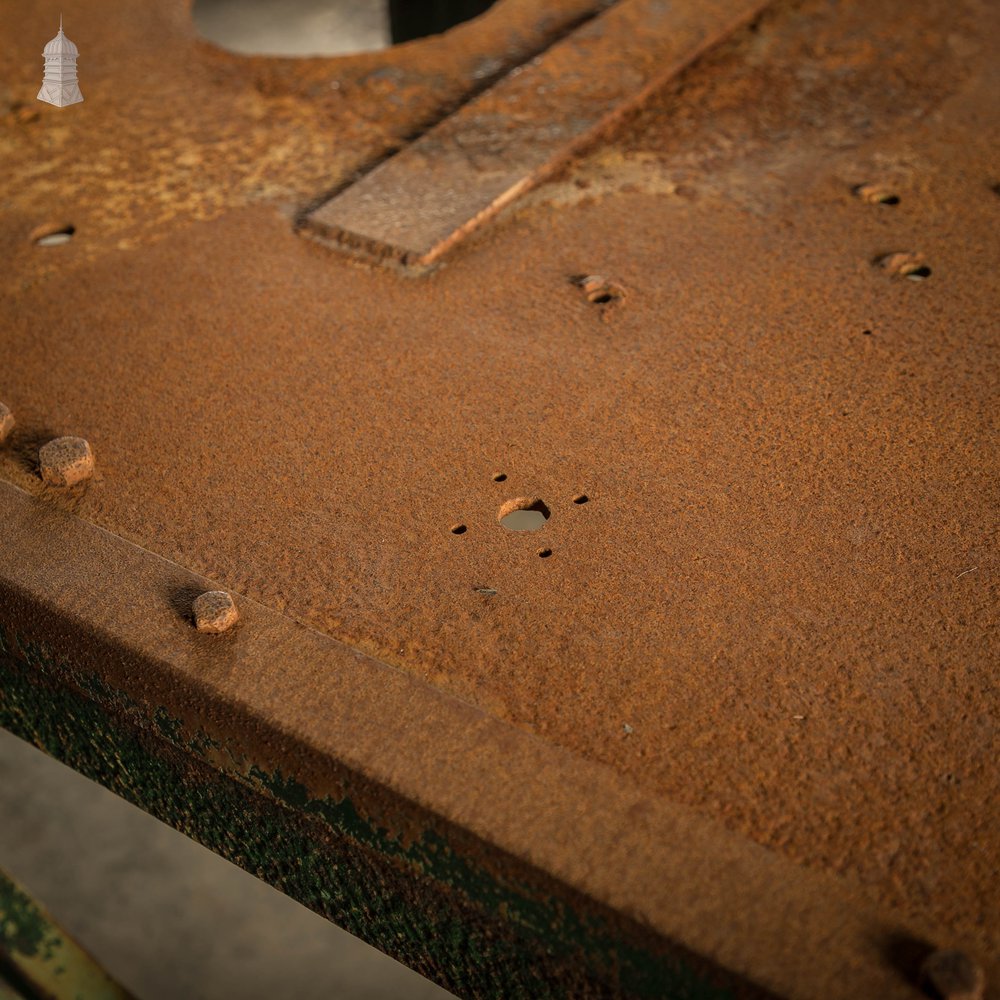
(294, 27)
(162, 914)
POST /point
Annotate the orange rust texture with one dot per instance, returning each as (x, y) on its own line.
(413, 761)
(416, 205)
(785, 579)
(173, 129)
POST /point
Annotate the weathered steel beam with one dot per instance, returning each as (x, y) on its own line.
(444, 837)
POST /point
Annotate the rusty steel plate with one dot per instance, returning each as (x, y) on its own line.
(458, 175)
(725, 724)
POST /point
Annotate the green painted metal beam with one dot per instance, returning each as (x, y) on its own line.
(42, 956)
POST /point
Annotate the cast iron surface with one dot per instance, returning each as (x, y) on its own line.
(777, 608)
(487, 859)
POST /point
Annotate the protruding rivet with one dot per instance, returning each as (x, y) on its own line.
(876, 194)
(214, 612)
(599, 289)
(6, 423)
(953, 975)
(66, 461)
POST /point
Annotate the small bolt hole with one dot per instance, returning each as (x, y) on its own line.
(581, 498)
(866, 333)
(52, 235)
(544, 553)
(499, 477)
(458, 529)
(916, 273)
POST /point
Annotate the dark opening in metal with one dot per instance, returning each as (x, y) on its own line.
(411, 20)
(325, 27)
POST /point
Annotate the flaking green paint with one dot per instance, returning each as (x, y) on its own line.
(40, 960)
(423, 903)
(24, 929)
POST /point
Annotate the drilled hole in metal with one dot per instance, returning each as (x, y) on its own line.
(458, 529)
(581, 498)
(52, 235)
(544, 553)
(499, 477)
(916, 273)
(524, 514)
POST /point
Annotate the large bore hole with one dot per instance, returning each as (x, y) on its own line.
(524, 514)
(411, 20)
(325, 27)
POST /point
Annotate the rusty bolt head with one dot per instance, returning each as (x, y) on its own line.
(6, 423)
(66, 461)
(591, 282)
(876, 194)
(599, 289)
(952, 975)
(214, 612)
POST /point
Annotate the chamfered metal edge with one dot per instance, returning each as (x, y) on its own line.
(318, 724)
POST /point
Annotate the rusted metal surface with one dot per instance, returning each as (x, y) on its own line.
(222, 130)
(461, 173)
(523, 836)
(768, 633)
(41, 957)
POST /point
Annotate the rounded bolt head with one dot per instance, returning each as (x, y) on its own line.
(876, 194)
(214, 612)
(66, 461)
(593, 282)
(952, 975)
(6, 423)
(599, 289)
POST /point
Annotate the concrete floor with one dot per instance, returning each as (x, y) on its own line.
(166, 917)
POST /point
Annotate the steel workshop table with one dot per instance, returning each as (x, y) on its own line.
(711, 290)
